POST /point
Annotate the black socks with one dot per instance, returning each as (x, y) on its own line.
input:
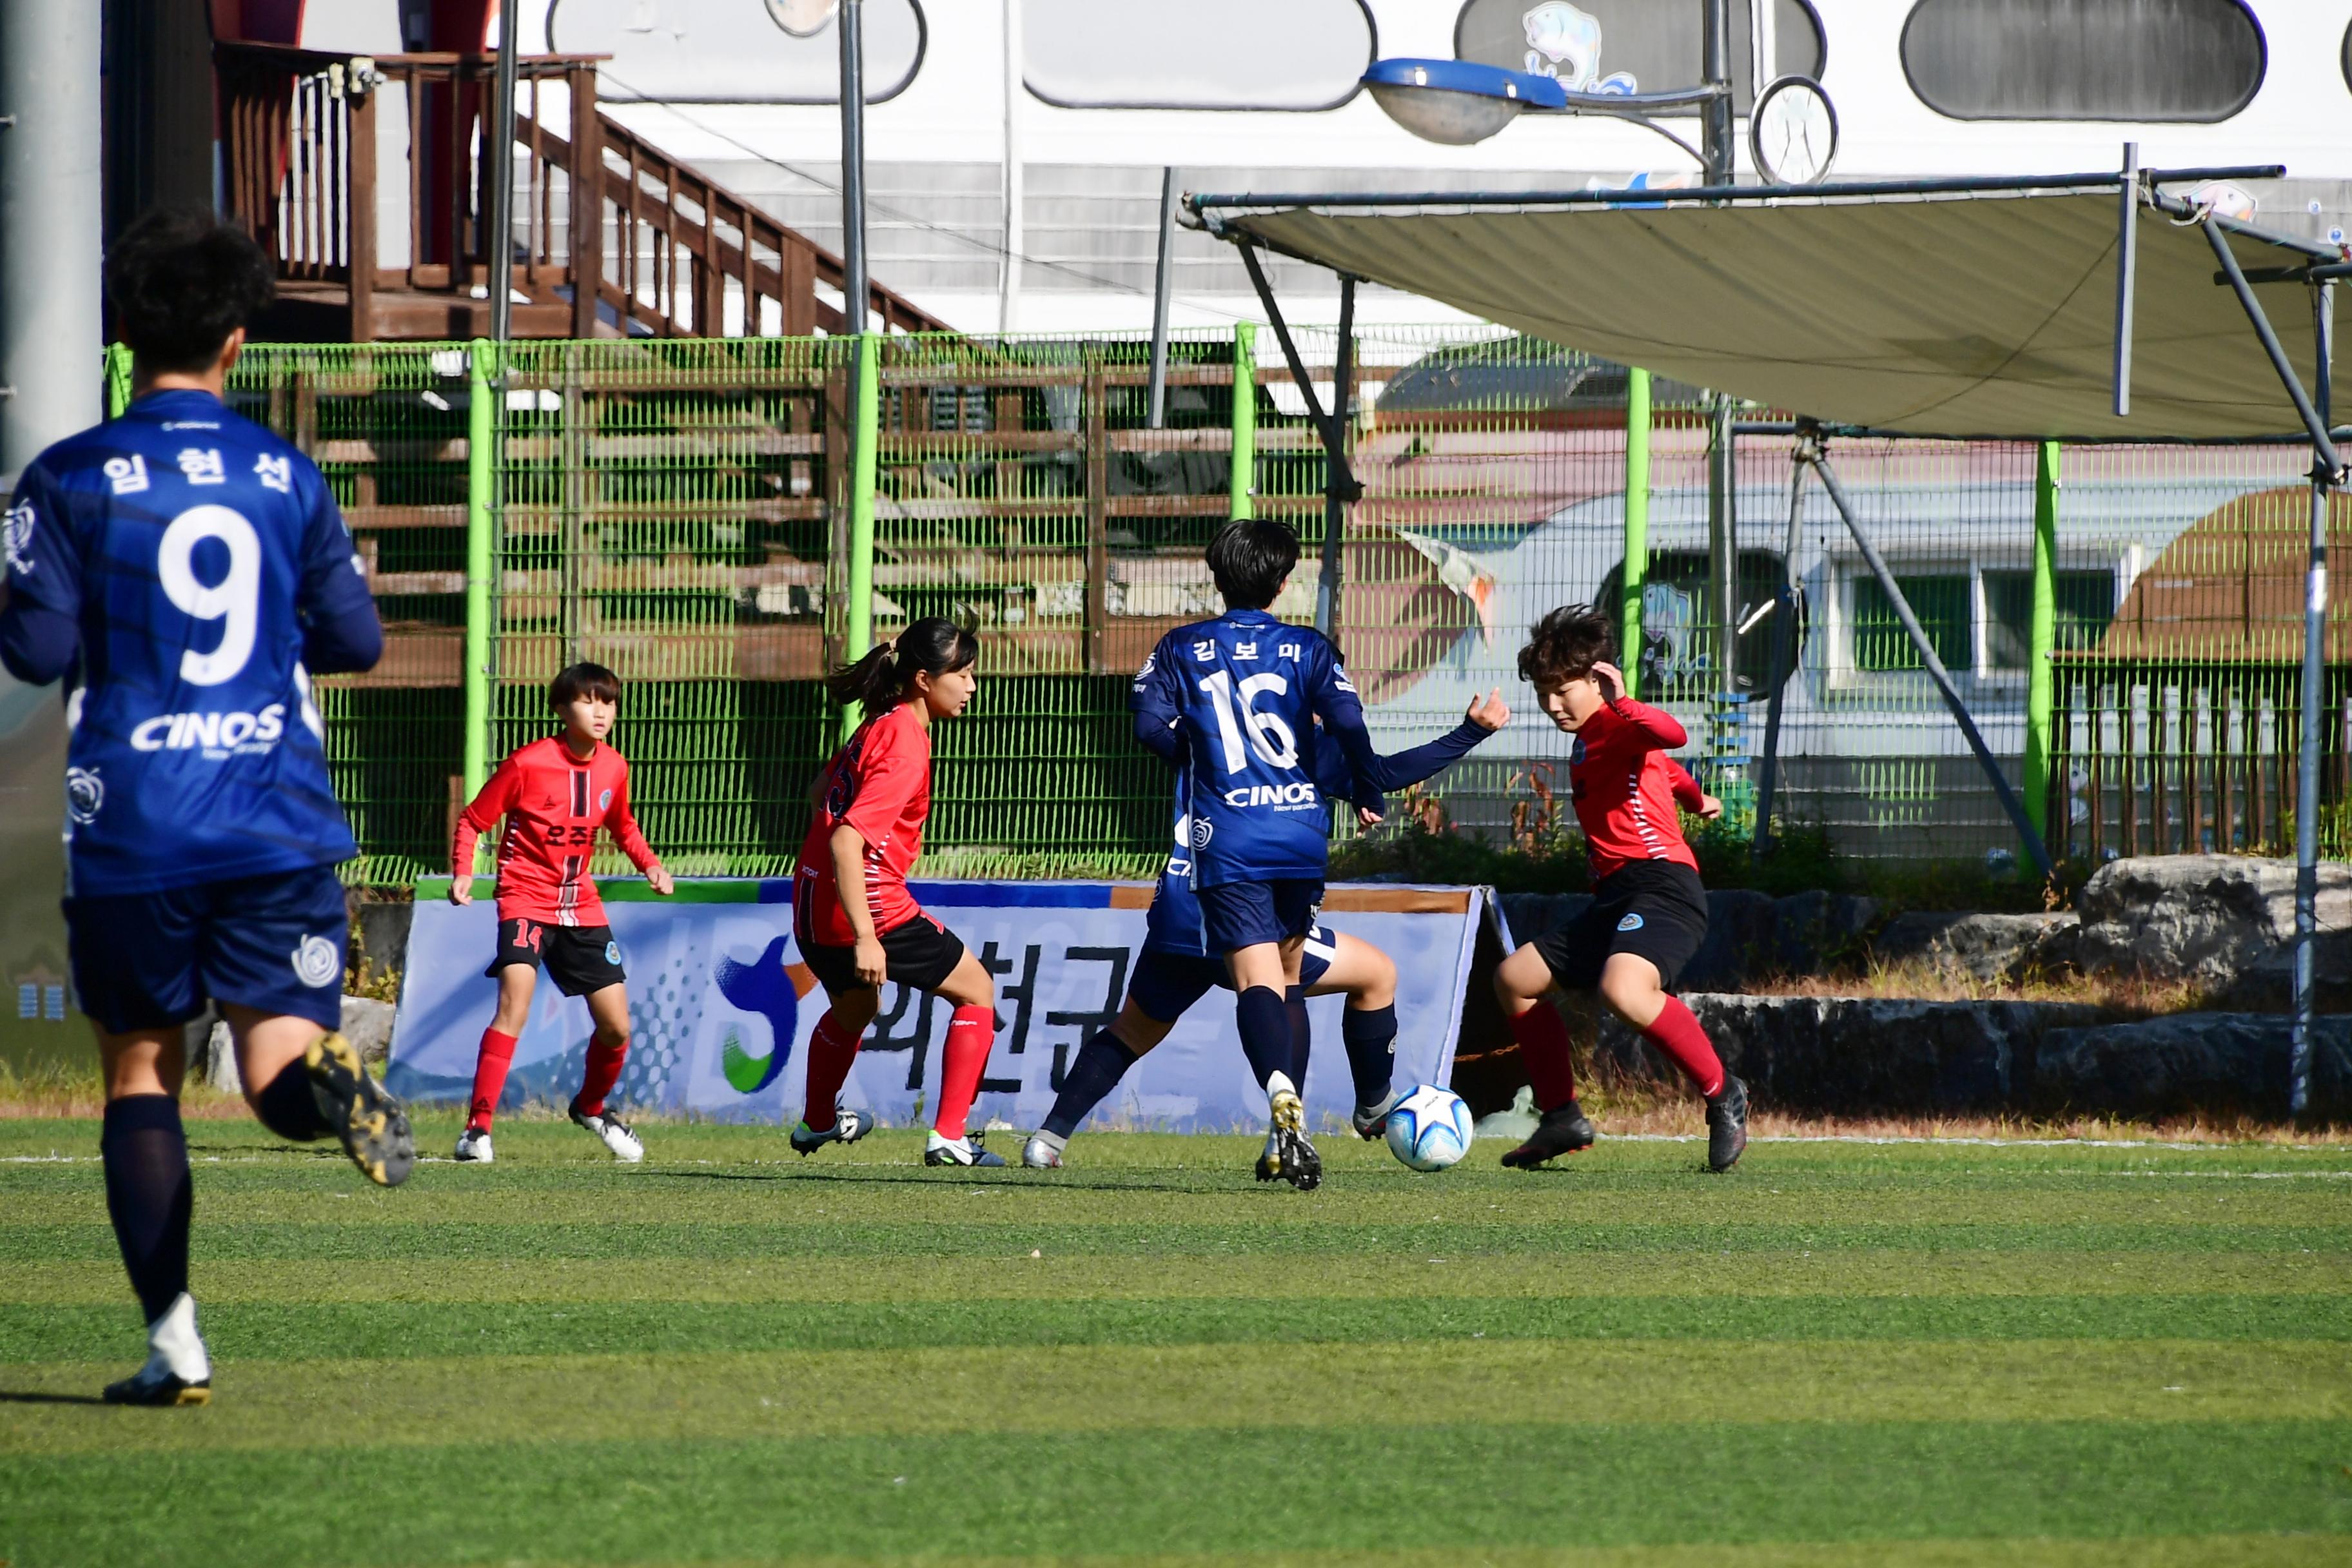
(1101, 1062)
(1265, 1024)
(148, 1194)
(1302, 1035)
(1371, 1038)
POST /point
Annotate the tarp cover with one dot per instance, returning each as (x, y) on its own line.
(1981, 315)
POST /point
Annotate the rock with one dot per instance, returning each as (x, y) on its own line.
(1982, 946)
(383, 934)
(367, 1023)
(2193, 1062)
(1740, 927)
(1859, 1056)
(212, 1057)
(2220, 921)
(1812, 932)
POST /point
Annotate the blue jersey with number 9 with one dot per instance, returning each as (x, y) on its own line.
(191, 548)
(1245, 691)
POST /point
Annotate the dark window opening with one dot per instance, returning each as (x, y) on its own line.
(2087, 603)
(1940, 602)
(2181, 61)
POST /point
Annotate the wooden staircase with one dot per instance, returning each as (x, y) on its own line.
(611, 236)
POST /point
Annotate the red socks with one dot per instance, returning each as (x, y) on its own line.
(970, 1033)
(1677, 1033)
(1543, 1045)
(603, 1071)
(490, 1078)
(831, 1050)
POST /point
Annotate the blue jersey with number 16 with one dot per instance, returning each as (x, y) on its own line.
(185, 556)
(1242, 692)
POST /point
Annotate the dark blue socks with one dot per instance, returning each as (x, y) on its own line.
(288, 1106)
(1265, 1024)
(148, 1194)
(1102, 1062)
(1371, 1038)
(1302, 1035)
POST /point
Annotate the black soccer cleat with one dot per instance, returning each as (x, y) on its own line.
(371, 1124)
(156, 1384)
(1726, 1125)
(1563, 1131)
(1288, 1155)
(848, 1127)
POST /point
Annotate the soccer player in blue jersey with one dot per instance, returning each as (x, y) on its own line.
(1175, 969)
(1243, 706)
(186, 572)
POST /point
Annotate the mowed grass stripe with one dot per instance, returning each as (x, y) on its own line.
(637, 1397)
(249, 1332)
(582, 1237)
(1067, 1277)
(981, 1490)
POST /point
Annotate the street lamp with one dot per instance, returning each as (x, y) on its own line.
(1461, 102)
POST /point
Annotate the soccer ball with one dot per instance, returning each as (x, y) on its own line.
(1429, 1128)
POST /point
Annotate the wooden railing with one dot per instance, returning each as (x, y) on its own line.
(674, 253)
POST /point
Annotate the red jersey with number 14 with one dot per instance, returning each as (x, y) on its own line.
(879, 783)
(1625, 788)
(554, 802)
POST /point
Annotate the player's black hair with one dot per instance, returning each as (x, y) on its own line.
(1249, 558)
(181, 280)
(882, 678)
(593, 681)
(1565, 646)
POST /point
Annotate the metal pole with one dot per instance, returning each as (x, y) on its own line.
(1341, 481)
(1933, 665)
(2126, 266)
(858, 621)
(50, 184)
(1715, 138)
(2306, 789)
(1636, 572)
(2235, 277)
(1334, 499)
(1157, 411)
(1242, 474)
(851, 20)
(1784, 641)
(1008, 295)
(1722, 547)
(497, 164)
(483, 372)
(2041, 637)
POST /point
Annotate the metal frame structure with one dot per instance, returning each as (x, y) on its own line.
(2135, 188)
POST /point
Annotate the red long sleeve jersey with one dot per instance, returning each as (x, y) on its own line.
(553, 804)
(1626, 789)
(880, 785)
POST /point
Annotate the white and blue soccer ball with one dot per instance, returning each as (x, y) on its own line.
(1430, 1128)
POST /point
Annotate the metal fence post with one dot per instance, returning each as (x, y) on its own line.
(1244, 465)
(118, 379)
(2041, 638)
(858, 623)
(1637, 523)
(481, 476)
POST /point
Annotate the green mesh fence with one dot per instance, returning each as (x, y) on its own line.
(678, 511)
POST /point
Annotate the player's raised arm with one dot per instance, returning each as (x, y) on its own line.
(40, 593)
(1653, 729)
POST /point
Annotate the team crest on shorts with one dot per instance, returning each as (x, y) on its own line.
(613, 953)
(85, 793)
(1631, 922)
(1201, 829)
(316, 961)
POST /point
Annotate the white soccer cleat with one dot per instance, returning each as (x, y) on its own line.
(1043, 1152)
(473, 1148)
(178, 1370)
(613, 1133)
(964, 1151)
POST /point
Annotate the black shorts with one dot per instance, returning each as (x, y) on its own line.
(274, 944)
(581, 959)
(919, 952)
(1235, 915)
(1653, 909)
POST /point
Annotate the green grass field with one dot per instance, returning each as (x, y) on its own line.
(1842, 1353)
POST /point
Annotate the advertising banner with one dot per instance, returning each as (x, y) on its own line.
(720, 1007)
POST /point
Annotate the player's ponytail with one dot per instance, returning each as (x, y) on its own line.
(881, 678)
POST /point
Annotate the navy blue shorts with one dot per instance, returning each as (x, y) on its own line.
(1166, 984)
(274, 944)
(1242, 914)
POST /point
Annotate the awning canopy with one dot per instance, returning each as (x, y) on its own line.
(1976, 313)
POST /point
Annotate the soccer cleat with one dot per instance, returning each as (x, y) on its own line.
(1294, 1158)
(627, 1147)
(371, 1124)
(474, 1147)
(848, 1127)
(1726, 1125)
(1372, 1120)
(963, 1150)
(1562, 1131)
(1269, 1159)
(178, 1372)
(1043, 1152)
